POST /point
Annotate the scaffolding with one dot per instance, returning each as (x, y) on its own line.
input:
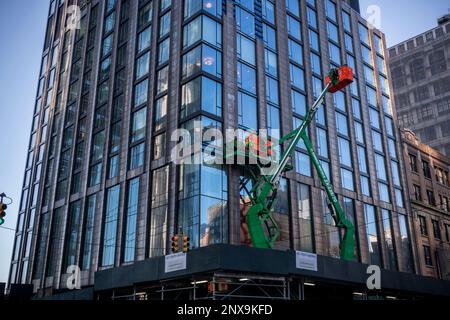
(215, 286)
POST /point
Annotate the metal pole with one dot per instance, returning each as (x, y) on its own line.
(300, 131)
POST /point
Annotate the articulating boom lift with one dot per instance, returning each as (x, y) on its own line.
(262, 227)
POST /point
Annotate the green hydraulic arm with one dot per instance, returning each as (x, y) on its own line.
(263, 228)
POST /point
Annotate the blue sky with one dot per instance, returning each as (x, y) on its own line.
(22, 28)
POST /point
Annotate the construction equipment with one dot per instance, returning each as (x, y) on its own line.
(262, 226)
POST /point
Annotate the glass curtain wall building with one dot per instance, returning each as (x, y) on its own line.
(100, 190)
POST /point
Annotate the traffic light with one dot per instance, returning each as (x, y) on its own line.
(175, 243)
(186, 244)
(3, 207)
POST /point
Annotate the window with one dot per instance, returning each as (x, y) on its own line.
(341, 124)
(377, 141)
(295, 52)
(366, 55)
(163, 80)
(345, 155)
(312, 18)
(271, 63)
(294, 29)
(436, 229)
(430, 198)
(297, 77)
(269, 37)
(356, 109)
(201, 93)
(138, 125)
(137, 156)
(110, 226)
(268, 11)
(359, 132)
(380, 167)
(72, 235)
(245, 49)
(330, 10)
(113, 167)
(444, 203)
(372, 234)
(391, 262)
(246, 77)
(417, 193)
(203, 58)
(426, 169)
(202, 196)
(332, 32)
(363, 33)
(378, 44)
(247, 111)
(247, 4)
(164, 25)
(164, 48)
(315, 64)
(144, 39)
(159, 207)
(109, 23)
(395, 173)
(160, 113)
(273, 121)
(107, 45)
(314, 40)
(298, 103)
(347, 179)
(427, 255)
(316, 86)
(368, 72)
(303, 165)
(202, 28)
(413, 163)
(365, 186)
(362, 161)
(213, 7)
(348, 43)
(130, 220)
(245, 22)
(399, 198)
(142, 65)
(165, 4)
(407, 262)
(335, 53)
(140, 92)
(322, 145)
(145, 15)
(272, 90)
(305, 218)
(293, 7)
(55, 241)
(98, 146)
(384, 192)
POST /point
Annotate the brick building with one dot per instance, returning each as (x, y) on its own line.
(429, 188)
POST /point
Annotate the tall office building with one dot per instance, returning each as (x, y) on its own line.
(421, 82)
(101, 193)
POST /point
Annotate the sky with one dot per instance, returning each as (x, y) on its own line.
(22, 31)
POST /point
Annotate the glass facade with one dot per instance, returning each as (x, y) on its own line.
(86, 190)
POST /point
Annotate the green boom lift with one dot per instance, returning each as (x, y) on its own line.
(262, 226)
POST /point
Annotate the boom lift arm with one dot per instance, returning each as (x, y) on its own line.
(263, 228)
